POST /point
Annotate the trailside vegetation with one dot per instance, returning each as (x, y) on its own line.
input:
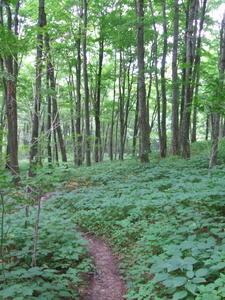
(165, 218)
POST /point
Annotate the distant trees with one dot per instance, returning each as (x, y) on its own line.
(106, 80)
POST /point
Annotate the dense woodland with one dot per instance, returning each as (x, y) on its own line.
(83, 80)
(133, 90)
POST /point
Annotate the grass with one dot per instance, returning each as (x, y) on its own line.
(166, 218)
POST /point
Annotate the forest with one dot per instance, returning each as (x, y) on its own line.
(116, 110)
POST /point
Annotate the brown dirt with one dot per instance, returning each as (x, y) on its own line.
(106, 283)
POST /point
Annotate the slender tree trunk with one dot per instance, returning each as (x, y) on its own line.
(37, 95)
(175, 87)
(113, 117)
(49, 120)
(135, 135)
(188, 96)
(72, 117)
(207, 127)
(196, 72)
(11, 65)
(79, 155)
(97, 102)
(86, 91)
(163, 141)
(216, 116)
(122, 74)
(194, 125)
(56, 119)
(143, 120)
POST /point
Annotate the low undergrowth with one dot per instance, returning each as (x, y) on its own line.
(42, 255)
(165, 217)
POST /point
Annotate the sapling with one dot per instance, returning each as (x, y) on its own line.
(36, 224)
(2, 237)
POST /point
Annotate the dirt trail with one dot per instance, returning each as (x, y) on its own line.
(106, 283)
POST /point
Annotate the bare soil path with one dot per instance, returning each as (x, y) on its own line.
(106, 283)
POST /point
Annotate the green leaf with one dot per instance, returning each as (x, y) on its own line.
(161, 277)
(26, 290)
(179, 281)
(198, 280)
(175, 281)
(189, 261)
(191, 287)
(180, 295)
(201, 272)
(65, 294)
(190, 274)
(207, 296)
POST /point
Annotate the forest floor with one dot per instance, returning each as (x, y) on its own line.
(105, 283)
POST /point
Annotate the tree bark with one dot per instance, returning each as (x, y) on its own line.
(37, 97)
(79, 155)
(98, 144)
(11, 64)
(143, 119)
(55, 117)
(216, 116)
(86, 91)
(163, 141)
(188, 83)
(175, 86)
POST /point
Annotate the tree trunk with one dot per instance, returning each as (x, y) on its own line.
(143, 120)
(56, 119)
(175, 87)
(188, 83)
(37, 96)
(216, 116)
(163, 141)
(9, 85)
(113, 117)
(196, 72)
(98, 146)
(194, 125)
(121, 104)
(49, 120)
(79, 156)
(135, 129)
(86, 91)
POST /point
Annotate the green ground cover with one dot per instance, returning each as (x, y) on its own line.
(166, 218)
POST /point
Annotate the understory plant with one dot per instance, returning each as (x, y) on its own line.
(167, 218)
(60, 253)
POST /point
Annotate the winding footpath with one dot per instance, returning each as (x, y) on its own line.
(106, 283)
